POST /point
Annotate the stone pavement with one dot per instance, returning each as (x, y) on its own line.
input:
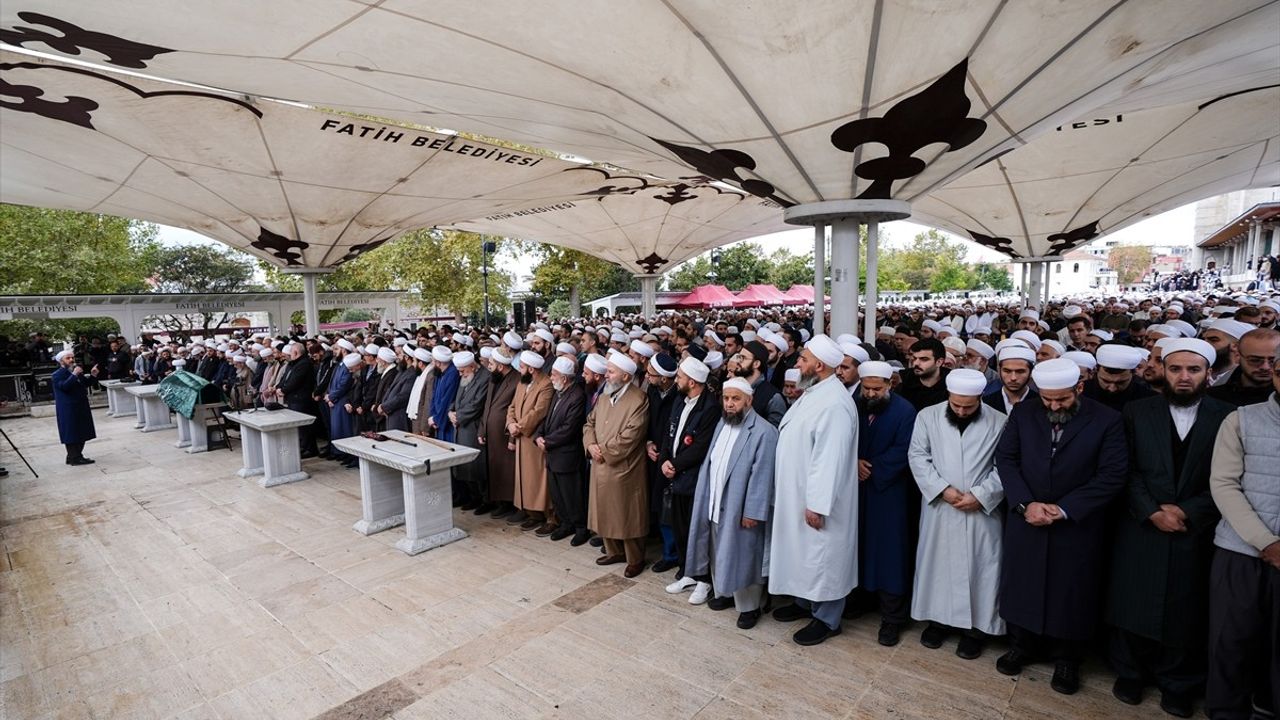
(158, 584)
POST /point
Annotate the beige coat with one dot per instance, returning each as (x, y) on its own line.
(618, 506)
(530, 405)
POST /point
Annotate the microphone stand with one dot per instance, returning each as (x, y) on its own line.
(18, 452)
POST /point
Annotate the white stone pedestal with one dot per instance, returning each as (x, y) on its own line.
(269, 441)
(119, 403)
(193, 434)
(153, 414)
(410, 485)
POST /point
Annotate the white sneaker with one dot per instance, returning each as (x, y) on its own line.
(681, 585)
(700, 594)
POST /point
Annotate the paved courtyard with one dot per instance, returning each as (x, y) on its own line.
(158, 584)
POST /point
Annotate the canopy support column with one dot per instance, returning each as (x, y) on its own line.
(819, 278)
(846, 218)
(648, 295)
(1035, 290)
(310, 306)
(873, 287)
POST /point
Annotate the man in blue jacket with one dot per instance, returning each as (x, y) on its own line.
(71, 404)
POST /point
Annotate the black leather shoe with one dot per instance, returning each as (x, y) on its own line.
(580, 538)
(484, 508)
(81, 461)
(813, 633)
(748, 620)
(1011, 662)
(791, 613)
(545, 529)
(469, 506)
(663, 565)
(1127, 691)
(1176, 704)
(518, 517)
(933, 636)
(308, 454)
(561, 533)
(597, 541)
(352, 463)
(720, 603)
(1066, 677)
(970, 647)
(529, 523)
(890, 634)
(502, 510)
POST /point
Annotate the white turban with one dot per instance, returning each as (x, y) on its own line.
(748, 336)
(1234, 328)
(623, 363)
(566, 349)
(714, 359)
(876, 368)
(1016, 353)
(964, 381)
(596, 364)
(713, 337)
(370, 349)
(1056, 374)
(399, 342)
(512, 341)
(641, 348)
(1118, 357)
(501, 358)
(1055, 345)
(1165, 330)
(825, 350)
(1071, 311)
(619, 337)
(1184, 327)
(62, 354)
(979, 347)
(266, 352)
(1194, 345)
(531, 359)
(564, 366)
(386, 355)
(176, 363)
(1081, 358)
(345, 344)
(421, 354)
(237, 359)
(441, 353)
(545, 335)
(954, 344)
(855, 351)
(738, 384)
(792, 375)
(486, 352)
(351, 360)
(1029, 313)
(464, 358)
(1103, 334)
(1028, 337)
(695, 369)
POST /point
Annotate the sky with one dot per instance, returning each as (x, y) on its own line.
(1175, 227)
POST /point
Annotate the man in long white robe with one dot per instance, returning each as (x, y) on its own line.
(814, 546)
(952, 457)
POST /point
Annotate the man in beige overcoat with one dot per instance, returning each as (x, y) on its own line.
(614, 437)
(530, 405)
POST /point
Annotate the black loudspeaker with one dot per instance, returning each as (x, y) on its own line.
(517, 311)
(530, 312)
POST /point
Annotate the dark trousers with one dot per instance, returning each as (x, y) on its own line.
(75, 451)
(894, 609)
(681, 520)
(323, 416)
(1244, 650)
(1179, 671)
(1036, 645)
(566, 497)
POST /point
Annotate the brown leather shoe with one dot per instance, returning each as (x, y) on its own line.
(611, 559)
(530, 524)
(545, 529)
(633, 570)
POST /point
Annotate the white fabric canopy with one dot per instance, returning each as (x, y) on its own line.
(1105, 172)
(795, 101)
(289, 184)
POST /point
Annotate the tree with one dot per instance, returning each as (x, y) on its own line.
(569, 275)
(992, 277)
(690, 274)
(788, 269)
(1131, 263)
(741, 265)
(199, 269)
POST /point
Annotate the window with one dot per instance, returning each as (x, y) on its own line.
(1075, 268)
(1059, 268)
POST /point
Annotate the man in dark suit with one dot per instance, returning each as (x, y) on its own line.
(395, 404)
(1013, 365)
(1061, 461)
(294, 387)
(560, 438)
(466, 415)
(386, 377)
(1158, 599)
(661, 392)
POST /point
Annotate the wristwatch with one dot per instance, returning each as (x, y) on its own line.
(1021, 509)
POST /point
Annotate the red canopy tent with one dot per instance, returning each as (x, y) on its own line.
(761, 295)
(803, 293)
(708, 296)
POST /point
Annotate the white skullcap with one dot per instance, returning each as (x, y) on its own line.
(540, 326)
(623, 363)
(1057, 346)
(1028, 337)
(737, 383)
(421, 354)
(1168, 331)
(1029, 313)
(748, 336)
(1118, 357)
(804, 335)
(486, 352)
(855, 351)
(1071, 311)
(932, 324)
(663, 330)
(1234, 328)
(964, 381)
(695, 369)
(1163, 342)
(399, 342)
(346, 345)
(843, 338)
(441, 353)
(712, 336)
(266, 352)
(1194, 345)
(566, 349)
(62, 354)
(778, 341)
(1103, 334)
(642, 348)
(545, 334)
(1081, 358)
(224, 347)
(792, 375)
(596, 364)
(1056, 374)
(1184, 327)
(979, 347)
(512, 340)
(946, 330)
(1174, 308)
(732, 329)
(500, 357)
(825, 350)
(714, 359)
(619, 337)
(1016, 353)
(564, 366)
(386, 355)
(179, 363)
(370, 349)
(464, 358)
(753, 323)
(531, 359)
(875, 368)
(1273, 304)
(635, 334)
(954, 343)
(237, 358)
(198, 343)
(351, 360)
(617, 324)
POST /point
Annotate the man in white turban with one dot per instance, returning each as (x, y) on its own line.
(814, 547)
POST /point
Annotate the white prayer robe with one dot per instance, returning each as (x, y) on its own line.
(815, 469)
(957, 580)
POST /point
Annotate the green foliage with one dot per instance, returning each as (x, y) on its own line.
(1131, 263)
(788, 269)
(690, 274)
(573, 276)
(60, 252)
(992, 277)
(201, 269)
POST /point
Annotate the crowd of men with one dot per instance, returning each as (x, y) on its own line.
(1104, 474)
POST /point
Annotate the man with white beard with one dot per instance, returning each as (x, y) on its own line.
(814, 548)
(952, 457)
